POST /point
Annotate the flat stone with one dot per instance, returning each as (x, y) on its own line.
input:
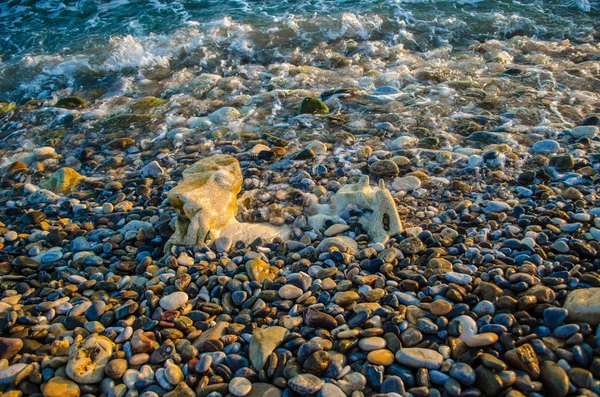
(305, 384)
(173, 301)
(336, 229)
(346, 298)
(330, 390)
(381, 357)
(213, 333)
(407, 183)
(372, 343)
(239, 386)
(342, 243)
(458, 278)
(263, 342)
(289, 291)
(583, 306)
(546, 146)
(416, 357)
(480, 340)
(584, 131)
(440, 307)
(10, 374)
(151, 169)
(263, 390)
(497, 206)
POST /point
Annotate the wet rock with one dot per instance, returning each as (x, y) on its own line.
(63, 181)
(311, 105)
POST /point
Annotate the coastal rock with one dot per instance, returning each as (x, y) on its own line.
(206, 204)
(263, 390)
(72, 102)
(585, 131)
(305, 384)
(63, 181)
(87, 361)
(380, 217)
(547, 146)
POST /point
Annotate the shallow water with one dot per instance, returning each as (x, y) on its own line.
(54, 48)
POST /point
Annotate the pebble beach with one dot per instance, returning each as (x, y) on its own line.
(276, 200)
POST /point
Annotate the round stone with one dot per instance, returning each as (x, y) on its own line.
(381, 357)
(546, 146)
(116, 368)
(61, 387)
(440, 307)
(330, 390)
(371, 343)
(406, 183)
(458, 278)
(239, 386)
(384, 168)
(173, 301)
(305, 384)
(290, 291)
(10, 236)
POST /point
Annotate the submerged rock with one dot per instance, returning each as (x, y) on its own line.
(311, 105)
(63, 181)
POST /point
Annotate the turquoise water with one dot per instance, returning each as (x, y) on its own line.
(53, 48)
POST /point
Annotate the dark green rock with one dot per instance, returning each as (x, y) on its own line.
(311, 105)
(71, 102)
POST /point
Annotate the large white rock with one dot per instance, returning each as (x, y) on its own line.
(87, 361)
(380, 217)
(206, 204)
